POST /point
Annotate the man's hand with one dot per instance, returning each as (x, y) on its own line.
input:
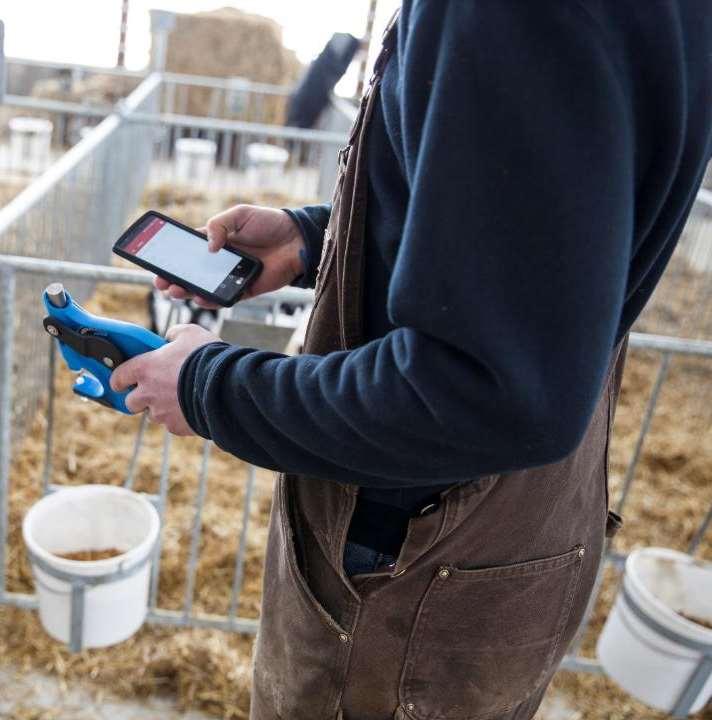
(155, 375)
(269, 234)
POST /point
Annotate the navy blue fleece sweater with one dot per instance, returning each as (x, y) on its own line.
(531, 166)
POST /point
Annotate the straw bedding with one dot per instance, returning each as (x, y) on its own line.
(210, 670)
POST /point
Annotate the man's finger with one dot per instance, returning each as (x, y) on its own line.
(136, 402)
(126, 374)
(161, 283)
(175, 330)
(178, 293)
(205, 303)
(220, 226)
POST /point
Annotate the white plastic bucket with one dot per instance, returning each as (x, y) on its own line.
(30, 144)
(195, 160)
(266, 165)
(110, 597)
(647, 646)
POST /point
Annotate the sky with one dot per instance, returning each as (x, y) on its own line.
(87, 31)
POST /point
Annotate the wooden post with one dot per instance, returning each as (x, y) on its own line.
(121, 59)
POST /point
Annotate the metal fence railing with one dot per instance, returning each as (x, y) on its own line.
(72, 212)
(76, 209)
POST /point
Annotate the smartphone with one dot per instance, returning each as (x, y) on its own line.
(180, 254)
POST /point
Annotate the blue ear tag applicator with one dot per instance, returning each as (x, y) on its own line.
(94, 346)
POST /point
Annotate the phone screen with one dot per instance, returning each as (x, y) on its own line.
(181, 253)
(174, 251)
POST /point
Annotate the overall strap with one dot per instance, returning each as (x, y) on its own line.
(350, 257)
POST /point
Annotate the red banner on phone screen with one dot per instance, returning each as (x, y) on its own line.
(144, 236)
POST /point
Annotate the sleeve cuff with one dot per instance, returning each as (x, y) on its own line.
(311, 222)
(190, 386)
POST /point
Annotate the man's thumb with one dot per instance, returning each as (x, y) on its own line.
(217, 234)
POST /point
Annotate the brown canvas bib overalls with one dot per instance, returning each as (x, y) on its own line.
(488, 589)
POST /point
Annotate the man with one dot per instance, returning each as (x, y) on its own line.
(511, 193)
(312, 94)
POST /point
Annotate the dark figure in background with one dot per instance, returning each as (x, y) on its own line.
(314, 89)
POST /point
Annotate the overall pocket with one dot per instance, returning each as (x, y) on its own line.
(484, 639)
(299, 651)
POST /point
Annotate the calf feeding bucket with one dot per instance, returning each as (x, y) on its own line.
(92, 603)
(655, 643)
(266, 165)
(30, 144)
(195, 160)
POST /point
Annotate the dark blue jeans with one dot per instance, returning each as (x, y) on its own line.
(361, 559)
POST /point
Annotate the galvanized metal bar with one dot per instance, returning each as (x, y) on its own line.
(160, 503)
(647, 420)
(155, 616)
(2, 62)
(176, 618)
(697, 681)
(233, 83)
(76, 617)
(664, 343)
(244, 127)
(121, 72)
(195, 532)
(572, 663)
(138, 444)
(242, 546)
(7, 337)
(20, 600)
(58, 106)
(49, 432)
(63, 269)
(699, 535)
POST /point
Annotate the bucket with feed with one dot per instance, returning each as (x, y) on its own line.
(91, 550)
(657, 641)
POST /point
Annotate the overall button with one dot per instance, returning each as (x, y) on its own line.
(443, 573)
(343, 637)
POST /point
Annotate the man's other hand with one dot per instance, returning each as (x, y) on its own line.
(266, 233)
(155, 377)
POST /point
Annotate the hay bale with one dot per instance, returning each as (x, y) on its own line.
(231, 43)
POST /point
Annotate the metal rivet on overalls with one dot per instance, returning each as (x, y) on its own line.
(410, 707)
(52, 330)
(343, 637)
(444, 573)
(582, 552)
(108, 362)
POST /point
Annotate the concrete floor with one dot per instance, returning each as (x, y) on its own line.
(34, 696)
